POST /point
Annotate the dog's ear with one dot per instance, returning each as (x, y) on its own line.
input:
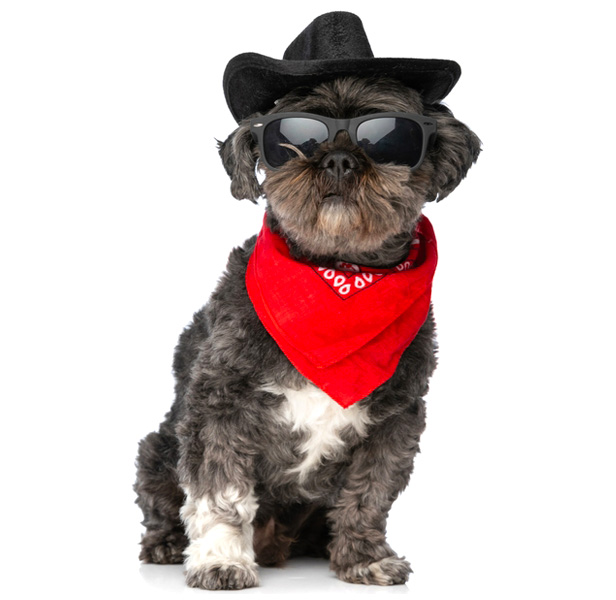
(238, 154)
(453, 152)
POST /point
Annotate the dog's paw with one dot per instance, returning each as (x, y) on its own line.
(162, 554)
(223, 577)
(163, 550)
(387, 571)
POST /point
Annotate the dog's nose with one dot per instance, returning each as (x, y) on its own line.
(338, 164)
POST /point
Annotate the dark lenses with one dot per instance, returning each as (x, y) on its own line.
(385, 139)
(285, 138)
(391, 139)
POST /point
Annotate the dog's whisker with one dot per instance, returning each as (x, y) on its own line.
(294, 149)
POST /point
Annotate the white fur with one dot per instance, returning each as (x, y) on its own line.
(312, 412)
(214, 541)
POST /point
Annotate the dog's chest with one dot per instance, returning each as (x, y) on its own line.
(320, 427)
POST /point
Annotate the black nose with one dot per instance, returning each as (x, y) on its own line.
(338, 164)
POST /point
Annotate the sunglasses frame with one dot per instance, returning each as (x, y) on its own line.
(334, 126)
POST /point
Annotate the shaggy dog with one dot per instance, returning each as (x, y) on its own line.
(254, 464)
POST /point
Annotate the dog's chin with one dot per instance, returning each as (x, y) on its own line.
(335, 200)
(339, 217)
(345, 222)
(340, 227)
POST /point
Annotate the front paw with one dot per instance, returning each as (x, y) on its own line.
(386, 571)
(235, 576)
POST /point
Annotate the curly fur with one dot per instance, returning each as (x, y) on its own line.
(236, 475)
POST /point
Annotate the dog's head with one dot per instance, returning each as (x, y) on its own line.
(341, 200)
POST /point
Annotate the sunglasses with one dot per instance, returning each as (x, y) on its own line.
(388, 137)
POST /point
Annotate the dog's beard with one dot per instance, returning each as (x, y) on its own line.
(344, 219)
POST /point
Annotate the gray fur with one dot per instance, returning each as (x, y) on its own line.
(223, 578)
(239, 159)
(220, 431)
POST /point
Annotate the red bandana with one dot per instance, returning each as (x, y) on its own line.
(344, 329)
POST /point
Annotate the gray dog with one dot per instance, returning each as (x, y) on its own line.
(264, 456)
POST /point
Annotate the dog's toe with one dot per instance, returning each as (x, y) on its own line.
(223, 577)
(163, 550)
(387, 571)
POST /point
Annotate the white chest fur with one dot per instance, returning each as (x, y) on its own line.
(321, 422)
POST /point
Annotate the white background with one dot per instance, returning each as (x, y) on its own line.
(116, 222)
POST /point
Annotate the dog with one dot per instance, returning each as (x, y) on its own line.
(254, 463)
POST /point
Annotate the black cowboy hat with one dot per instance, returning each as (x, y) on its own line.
(333, 45)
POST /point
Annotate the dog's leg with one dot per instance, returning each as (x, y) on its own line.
(218, 514)
(379, 471)
(220, 554)
(160, 498)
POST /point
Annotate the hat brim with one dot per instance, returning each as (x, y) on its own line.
(253, 82)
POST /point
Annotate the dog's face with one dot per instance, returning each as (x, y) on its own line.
(338, 202)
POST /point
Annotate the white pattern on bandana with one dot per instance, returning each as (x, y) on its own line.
(348, 279)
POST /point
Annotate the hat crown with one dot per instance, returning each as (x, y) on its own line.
(334, 35)
(333, 45)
